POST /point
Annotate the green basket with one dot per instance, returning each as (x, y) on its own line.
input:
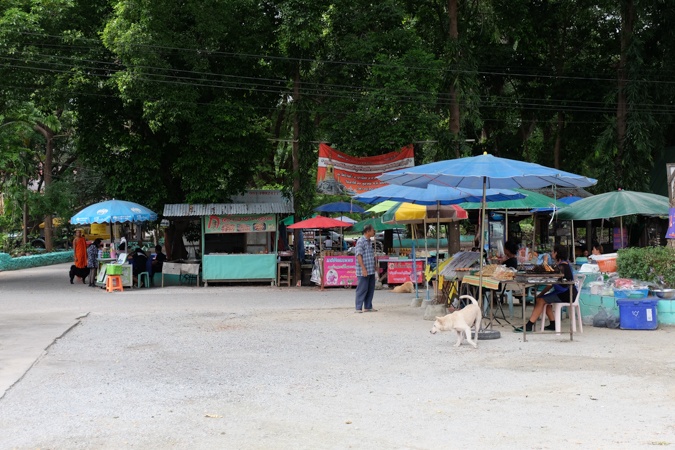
(114, 269)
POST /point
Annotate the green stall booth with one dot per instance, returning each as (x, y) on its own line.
(239, 240)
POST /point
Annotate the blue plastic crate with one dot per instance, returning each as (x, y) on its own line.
(638, 314)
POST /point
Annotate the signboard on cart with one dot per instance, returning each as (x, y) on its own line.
(339, 271)
(249, 223)
(398, 272)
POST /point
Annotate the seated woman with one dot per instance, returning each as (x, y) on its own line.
(510, 252)
(157, 263)
(560, 292)
(139, 261)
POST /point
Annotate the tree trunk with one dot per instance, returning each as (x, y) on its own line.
(296, 169)
(48, 134)
(453, 35)
(558, 139)
(627, 24)
(25, 211)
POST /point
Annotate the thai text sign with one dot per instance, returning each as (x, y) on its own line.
(398, 272)
(249, 223)
(617, 238)
(358, 175)
(670, 234)
(339, 271)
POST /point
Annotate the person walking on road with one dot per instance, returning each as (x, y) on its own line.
(80, 252)
(365, 271)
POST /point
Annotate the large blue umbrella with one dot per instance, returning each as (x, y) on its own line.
(433, 194)
(113, 211)
(340, 207)
(485, 171)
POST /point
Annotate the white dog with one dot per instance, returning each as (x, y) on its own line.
(461, 321)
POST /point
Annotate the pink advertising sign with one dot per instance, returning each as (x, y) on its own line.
(339, 271)
(398, 272)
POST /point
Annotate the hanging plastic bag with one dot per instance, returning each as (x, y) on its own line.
(316, 273)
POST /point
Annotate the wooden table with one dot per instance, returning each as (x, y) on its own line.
(495, 285)
(515, 285)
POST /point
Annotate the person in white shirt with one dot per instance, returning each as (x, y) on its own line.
(328, 243)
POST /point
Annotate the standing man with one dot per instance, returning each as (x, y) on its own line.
(365, 271)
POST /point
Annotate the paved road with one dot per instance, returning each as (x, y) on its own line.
(264, 367)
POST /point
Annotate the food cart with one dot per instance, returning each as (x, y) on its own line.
(239, 239)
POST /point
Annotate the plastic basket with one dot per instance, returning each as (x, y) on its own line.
(607, 265)
(113, 269)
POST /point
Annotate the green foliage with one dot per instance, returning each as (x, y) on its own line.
(652, 264)
(158, 101)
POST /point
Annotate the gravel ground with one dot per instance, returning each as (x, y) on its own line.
(265, 367)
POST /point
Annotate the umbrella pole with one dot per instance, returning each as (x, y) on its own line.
(426, 249)
(506, 225)
(438, 245)
(482, 245)
(574, 248)
(414, 266)
(621, 229)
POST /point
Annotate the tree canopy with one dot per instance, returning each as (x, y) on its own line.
(160, 101)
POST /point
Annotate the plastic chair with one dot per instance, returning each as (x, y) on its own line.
(146, 276)
(574, 314)
(114, 283)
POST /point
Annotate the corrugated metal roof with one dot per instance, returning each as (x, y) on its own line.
(223, 209)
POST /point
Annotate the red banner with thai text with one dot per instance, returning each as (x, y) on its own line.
(339, 173)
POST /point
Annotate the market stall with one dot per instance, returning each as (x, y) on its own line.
(332, 268)
(239, 241)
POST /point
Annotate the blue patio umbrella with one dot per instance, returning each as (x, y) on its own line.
(433, 194)
(566, 200)
(485, 172)
(113, 211)
(340, 207)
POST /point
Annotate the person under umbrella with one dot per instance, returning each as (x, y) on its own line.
(92, 260)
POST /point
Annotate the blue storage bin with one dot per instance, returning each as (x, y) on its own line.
(631, 293)
(638, 314)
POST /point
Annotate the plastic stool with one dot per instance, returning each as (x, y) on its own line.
(147, 279)
(114, 283)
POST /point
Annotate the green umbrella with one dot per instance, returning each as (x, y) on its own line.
(533, 200)
(382, 207)
(376, 222)
(616, 204)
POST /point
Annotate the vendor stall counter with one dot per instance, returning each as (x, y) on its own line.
(239, 248)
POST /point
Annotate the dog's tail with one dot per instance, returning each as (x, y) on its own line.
(473, 300)
(479, 317)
